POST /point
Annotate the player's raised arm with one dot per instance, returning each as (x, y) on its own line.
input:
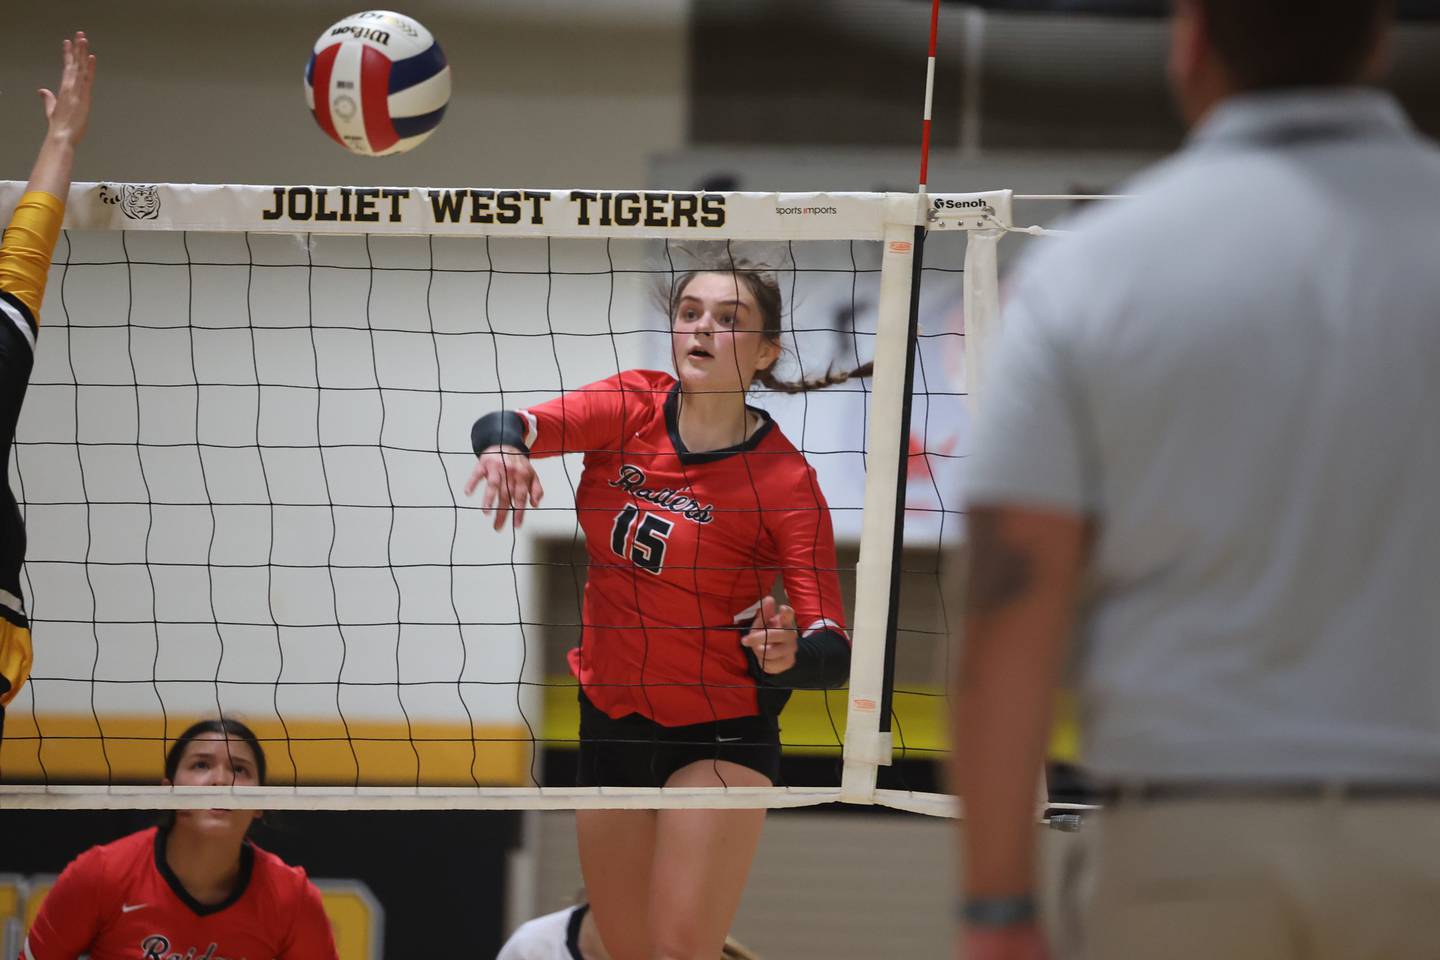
(30, 239)
(68, 111)
(25, 253)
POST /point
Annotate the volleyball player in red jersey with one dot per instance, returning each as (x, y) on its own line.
(194, 890)
(692, 504)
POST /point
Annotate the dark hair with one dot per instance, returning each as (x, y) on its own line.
(1267, 44)
(232, 729)
(766, 290)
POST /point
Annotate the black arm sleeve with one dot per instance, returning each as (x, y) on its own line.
(501, 427)
(822, 661)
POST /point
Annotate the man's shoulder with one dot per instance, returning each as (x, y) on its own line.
(1180, 202)
(1148, 200)
(1214, 188)
(1216, 202)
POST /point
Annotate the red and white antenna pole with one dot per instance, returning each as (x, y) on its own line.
(929, 97)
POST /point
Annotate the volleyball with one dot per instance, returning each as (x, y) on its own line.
(377, 83)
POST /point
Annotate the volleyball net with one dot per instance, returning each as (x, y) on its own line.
(241, 458)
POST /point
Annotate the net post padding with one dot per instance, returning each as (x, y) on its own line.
(982, 302)
(866, 746)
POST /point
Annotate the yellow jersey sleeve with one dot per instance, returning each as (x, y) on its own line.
(15, 659)
(28, 247)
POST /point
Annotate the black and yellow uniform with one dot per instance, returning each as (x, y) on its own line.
(24, 266)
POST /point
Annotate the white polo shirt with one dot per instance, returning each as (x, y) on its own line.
(1237, 375)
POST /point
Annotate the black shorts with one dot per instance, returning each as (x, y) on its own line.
(635, 751)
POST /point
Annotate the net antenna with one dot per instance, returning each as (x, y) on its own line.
(929, 97)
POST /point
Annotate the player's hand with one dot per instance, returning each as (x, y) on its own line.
(68, 109)
(510, 484)
(773, 637)
(1001, 943)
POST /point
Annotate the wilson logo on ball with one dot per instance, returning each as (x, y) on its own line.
(377, 83)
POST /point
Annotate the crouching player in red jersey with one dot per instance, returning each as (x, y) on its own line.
(194, 890)
(692, 503)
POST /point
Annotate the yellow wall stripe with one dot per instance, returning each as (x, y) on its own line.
(72, 750)
(69, 748)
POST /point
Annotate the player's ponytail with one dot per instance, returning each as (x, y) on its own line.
(829, 378)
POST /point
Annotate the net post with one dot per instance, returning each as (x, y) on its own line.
(867, 734)
(982, 302)
(982, 321)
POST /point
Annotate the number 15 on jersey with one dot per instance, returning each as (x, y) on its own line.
(647, 548)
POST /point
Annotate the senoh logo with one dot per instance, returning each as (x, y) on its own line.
(948, 203)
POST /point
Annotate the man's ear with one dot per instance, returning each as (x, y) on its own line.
(1381, 58)
(1187, 42)
(1198, 78)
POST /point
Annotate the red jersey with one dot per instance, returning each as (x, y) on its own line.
(682, 549)
(120, 901)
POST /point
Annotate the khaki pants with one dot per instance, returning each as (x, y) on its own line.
(1262, 879)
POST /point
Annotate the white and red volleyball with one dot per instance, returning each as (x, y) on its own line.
(377, 83)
